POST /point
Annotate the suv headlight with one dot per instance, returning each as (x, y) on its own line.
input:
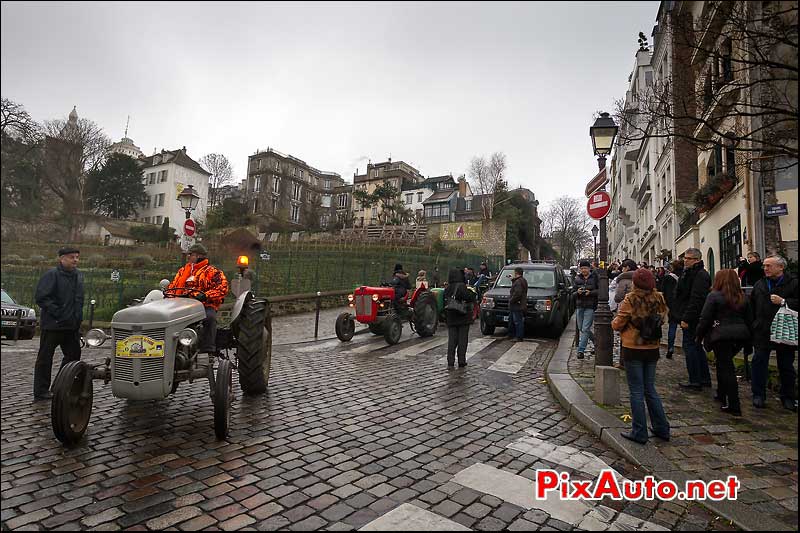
(487, 303)
(31, 313)
(544, 305)
(187, 337)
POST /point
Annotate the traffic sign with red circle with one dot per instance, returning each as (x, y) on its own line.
(599, 205)
(189, 227)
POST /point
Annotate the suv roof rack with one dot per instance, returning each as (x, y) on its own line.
(535, 262)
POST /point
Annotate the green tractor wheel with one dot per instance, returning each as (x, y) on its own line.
(425, 316)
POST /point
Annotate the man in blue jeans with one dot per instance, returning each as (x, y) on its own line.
(517, 305)
(585, 304)
(690, 296)
(769, 294)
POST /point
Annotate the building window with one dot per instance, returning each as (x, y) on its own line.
(148, 203)
(159, 219)
(258, 184)
(374, 212)
(277, 165)
(730, 243)
(258, 164)
(419, 197)
(296, 190)
(730, 161)
(255, 206)
(342, 200)
(151, 178)
(409, 198)
(468, 205)
(162, 176)
(327, 184)
(160, 200)
(276, 187)
(295, 213)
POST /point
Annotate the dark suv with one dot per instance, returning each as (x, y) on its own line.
(548, 298)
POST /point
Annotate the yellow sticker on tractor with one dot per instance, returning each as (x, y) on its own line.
(140, 346)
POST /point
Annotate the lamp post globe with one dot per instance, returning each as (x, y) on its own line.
(189, 199)
(603, 132)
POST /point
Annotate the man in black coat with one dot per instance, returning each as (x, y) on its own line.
(586, 284)
(690, 296)
(668, 287)
(517, 305)
(59, 294)
(769, 294)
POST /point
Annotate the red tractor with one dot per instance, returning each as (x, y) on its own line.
(378, 308)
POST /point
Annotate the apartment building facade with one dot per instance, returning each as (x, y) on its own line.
(398, 174)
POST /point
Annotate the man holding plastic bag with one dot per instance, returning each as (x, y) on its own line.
(774, 303)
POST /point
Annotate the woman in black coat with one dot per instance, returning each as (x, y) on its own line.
(458, 324)
(724, 329)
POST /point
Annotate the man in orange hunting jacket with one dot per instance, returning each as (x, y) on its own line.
(199, 274)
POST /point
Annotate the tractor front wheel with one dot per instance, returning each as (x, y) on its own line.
(223, 398)
(345, 327)
(71, 405)
(393, 330)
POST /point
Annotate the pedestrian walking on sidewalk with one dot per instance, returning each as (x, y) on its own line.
(724, 329)
(769, 294)
(690, 296)
(625, 279)
(59, 294)
(458, 323)
(517, 306)
(639, 319)
(586, 303)
(668, 287)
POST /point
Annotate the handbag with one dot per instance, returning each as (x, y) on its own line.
(784, 327)
(729, 331)
(456, 305)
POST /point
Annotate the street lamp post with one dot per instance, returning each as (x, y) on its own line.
(594, 239)
(189, 200)
(603, 132)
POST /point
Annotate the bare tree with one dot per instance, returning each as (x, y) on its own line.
(72, 149)
(734, 81)
(20, 144)
(486, 178)
(16, 123)
(221, 174)
(568, 228)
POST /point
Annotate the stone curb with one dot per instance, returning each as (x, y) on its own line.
(607, 428)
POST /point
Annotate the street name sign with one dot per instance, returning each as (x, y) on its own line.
(596, 183)
(777, 210)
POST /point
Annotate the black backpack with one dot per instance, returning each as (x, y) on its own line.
(650, 328)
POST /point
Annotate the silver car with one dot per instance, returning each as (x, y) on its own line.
(13, 312)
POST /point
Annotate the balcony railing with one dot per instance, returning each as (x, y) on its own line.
(688, 221)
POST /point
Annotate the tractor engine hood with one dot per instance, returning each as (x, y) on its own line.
(161, 312)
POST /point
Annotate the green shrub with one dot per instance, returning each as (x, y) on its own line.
(12, 259)
(142, 260)
(96, 259)
(37, 259)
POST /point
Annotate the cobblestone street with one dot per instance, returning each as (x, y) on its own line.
(347, 436)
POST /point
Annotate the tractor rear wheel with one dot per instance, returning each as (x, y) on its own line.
(425, 315)
(393, 330)
(254, 346)
(345, 327)
(72, 402)
(223, 398)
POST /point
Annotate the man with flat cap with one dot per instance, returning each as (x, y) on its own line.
(59, 294)
(200, 275)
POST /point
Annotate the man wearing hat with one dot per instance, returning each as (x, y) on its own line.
(198, 274)
(59, 294)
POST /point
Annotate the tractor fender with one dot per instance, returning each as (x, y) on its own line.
(153, 295)
(239, 304)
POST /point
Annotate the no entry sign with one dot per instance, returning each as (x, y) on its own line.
(599, 205)
(189, 227)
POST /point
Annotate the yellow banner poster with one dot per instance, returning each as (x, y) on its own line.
(462, 231)
(140, 346)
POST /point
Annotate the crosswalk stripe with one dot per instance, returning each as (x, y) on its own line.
(417, 349)
(499, 483)
(375, 343)
(515, 358)
(408, 517)
(474, 346)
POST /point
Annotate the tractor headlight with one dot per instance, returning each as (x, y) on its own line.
(187, 337)
(96, 337)
(487, 303)
(375, 298)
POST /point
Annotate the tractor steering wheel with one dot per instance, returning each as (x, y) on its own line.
(167, 292)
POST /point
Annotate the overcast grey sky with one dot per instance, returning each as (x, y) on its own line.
(432, 84)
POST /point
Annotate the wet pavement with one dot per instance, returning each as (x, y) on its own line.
(347, 436)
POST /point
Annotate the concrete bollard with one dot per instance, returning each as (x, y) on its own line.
(606, 385)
